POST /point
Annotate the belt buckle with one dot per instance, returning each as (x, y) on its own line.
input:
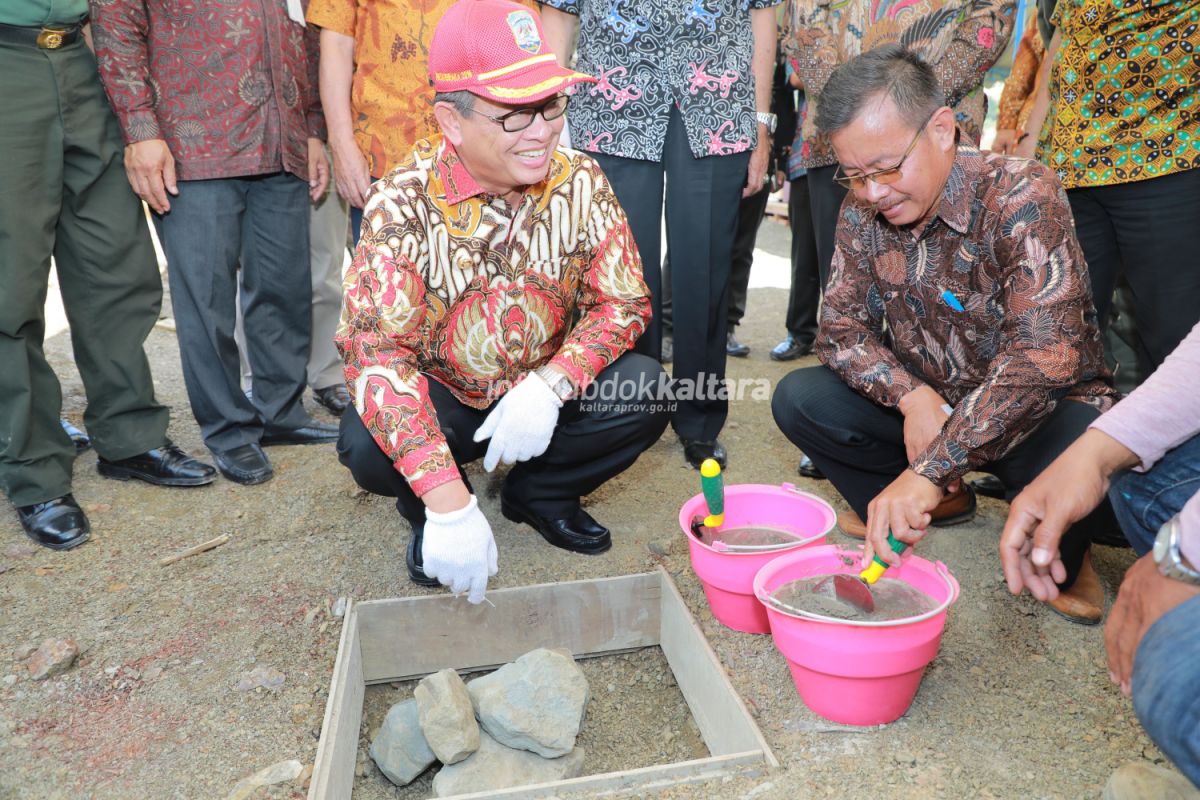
(51, 38)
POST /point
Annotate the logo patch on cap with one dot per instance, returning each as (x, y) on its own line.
(525, 32)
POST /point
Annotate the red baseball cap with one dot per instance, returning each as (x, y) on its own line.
(496, 49)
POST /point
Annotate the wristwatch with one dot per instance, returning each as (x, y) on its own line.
(559, 383)
(1170, 561)
(768, 119)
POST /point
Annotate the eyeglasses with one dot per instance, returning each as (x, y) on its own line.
(883, 177)
(522, 118)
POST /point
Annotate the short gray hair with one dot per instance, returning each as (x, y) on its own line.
(462, 100)
(890, 69)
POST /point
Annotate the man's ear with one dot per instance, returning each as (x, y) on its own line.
(942, 128)
(449, 120)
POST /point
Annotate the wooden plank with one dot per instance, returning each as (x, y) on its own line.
(337, 752)
(643, 780)
(412, 637)
(722, 717)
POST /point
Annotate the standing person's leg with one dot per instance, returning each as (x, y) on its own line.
(108, 273)
(1098, 240)
(702, 200)
(826, 196)
(202, 238)
(276, 298)
(751, 211)
(328, 223)
(639, 189)
(804, 296)
(1157, 227)
(856, 443)
(36, 456)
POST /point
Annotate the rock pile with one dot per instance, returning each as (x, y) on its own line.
(514, 727)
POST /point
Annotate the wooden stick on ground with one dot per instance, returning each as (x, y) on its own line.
(200, 548)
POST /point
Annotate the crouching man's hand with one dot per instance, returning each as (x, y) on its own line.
(459, 551)
(522, 423)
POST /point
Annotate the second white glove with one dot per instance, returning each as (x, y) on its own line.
(522, 423)
(459, 551)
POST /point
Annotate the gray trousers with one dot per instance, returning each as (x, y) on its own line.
(260, 222)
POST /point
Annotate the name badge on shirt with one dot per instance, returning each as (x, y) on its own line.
(296, 11)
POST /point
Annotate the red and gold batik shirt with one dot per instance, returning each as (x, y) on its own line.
(452, 283)
(990, 305)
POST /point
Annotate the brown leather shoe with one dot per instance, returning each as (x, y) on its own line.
(955, 508)
(1084, 601)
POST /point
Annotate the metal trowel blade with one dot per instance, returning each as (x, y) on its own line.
(854, 590)
(700, 530)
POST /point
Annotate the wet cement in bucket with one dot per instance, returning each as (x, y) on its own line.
(894, 600)
(747, 537)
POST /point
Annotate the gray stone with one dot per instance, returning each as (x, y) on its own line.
(54, 657)
(494, 767)
(535, 703)
(276, 773)
(447, 716)
(261, 677)
(399, 749)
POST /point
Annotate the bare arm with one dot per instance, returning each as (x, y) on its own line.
(1027, 146)
(762, 64)
(560, 29)
(351, 173)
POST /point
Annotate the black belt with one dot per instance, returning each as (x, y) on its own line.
(45, 37)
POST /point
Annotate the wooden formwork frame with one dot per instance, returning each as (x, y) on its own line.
(408, 638)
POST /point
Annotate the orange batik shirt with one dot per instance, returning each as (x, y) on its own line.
(390, 96)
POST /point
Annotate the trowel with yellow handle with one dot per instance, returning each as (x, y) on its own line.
(857, 590)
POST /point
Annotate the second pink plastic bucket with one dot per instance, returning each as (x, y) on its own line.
(728, 577)
(856, 673)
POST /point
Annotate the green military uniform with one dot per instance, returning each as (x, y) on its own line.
(63, 192)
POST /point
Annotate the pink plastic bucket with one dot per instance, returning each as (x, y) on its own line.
(728, 577)
(856, 673)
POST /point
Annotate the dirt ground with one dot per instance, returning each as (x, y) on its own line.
(1017, 704)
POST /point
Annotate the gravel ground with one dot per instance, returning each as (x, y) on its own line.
(1017, 704)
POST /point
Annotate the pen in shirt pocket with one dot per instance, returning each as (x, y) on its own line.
(949, 299)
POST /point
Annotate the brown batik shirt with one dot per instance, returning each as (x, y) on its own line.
(1002, 245)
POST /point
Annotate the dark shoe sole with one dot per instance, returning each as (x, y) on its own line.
(1076, 620)
(65, 546)
(514, 514)
(415, 573)
(247, 480)
(738, 353)
(126, 474)
(266, 441)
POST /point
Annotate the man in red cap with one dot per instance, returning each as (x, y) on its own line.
(490, 309)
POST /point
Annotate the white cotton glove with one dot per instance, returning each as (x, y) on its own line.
(458, 550)
(522, 423)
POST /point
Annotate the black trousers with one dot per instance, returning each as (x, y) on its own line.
(1149, 231)
(859, 445)
(804, 296)
(599, 436)
(701, 201)
(826, 198)
(751, 211)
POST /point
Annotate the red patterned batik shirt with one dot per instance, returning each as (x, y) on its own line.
(1002, 247)
(455, 284)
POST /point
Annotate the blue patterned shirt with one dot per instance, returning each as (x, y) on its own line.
(651, 54)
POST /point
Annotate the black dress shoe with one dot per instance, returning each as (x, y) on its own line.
(246, 465)
(78, 437)
(162, 466)
(790, 349)
(335, 399)
(59, 524)
(588, 538)
(809, 470)
(989, 486)
(312, 433)
(414, 559)
(697, 451)
(735, 348)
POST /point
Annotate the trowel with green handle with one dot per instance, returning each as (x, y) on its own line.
(711, 529)
(857, 590)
